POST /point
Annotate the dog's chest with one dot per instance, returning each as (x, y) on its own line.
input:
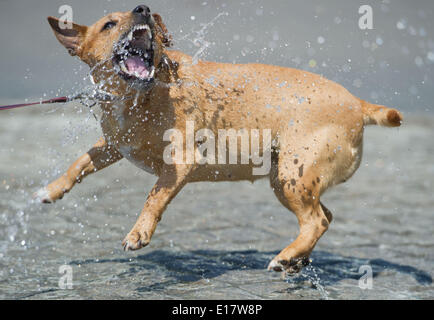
(133, 155)
(125, 131)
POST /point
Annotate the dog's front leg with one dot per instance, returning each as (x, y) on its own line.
(170, 182)
(98, 157)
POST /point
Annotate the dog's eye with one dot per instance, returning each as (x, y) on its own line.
(108, 25)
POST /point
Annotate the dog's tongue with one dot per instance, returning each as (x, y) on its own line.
(137, 66)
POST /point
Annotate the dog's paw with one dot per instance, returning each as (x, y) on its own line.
(294, 265)
(42, 196)
(135, 240)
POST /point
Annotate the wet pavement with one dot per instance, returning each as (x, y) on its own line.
(215, 239)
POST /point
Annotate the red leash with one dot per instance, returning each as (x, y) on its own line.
(96, 96)
(54, 100)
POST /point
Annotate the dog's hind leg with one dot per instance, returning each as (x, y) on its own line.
(169, 183)
(297, 183)
(98, 157)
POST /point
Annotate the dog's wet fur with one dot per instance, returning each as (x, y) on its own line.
(316, 125)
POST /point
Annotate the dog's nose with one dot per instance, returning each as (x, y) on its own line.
(142, 10)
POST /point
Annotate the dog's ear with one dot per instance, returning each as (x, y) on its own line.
(165, 36)
(70, 38)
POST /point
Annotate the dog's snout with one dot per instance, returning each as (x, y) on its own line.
(142, 10)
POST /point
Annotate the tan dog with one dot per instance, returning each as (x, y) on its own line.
(316, 125)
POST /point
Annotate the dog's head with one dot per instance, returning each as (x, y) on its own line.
(127, 46)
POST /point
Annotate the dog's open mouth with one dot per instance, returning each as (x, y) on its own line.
(133, 55)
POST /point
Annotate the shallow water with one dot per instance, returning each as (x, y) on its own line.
(215, 239)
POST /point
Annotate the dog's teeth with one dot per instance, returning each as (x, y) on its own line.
(130, 36)
(152, 72)
(139, 27)
(123, 68)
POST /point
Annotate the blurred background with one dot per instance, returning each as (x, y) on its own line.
(216, 239)
(391, 64)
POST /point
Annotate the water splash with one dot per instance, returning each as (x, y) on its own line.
(310, 274)
(198, 37)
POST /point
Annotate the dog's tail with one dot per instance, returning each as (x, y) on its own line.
(381, 115)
